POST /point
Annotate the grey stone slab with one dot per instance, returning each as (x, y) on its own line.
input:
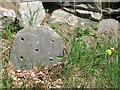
(31, 13)
(36, 46)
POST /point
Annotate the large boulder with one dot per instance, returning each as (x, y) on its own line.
(31, 13)
(36, 46)
(108, 27)
(83, 22)
(61, 16)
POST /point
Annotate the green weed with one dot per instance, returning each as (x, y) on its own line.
(91, 67)
(33, 15)
(8, 32)
(10, 28)
(6, 80)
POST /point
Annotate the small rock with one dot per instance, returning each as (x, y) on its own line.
(58, 83)
(33, 74)
(18, 71)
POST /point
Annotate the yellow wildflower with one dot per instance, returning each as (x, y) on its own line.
(110, 51)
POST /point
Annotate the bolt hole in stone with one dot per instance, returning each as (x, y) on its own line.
(22, 39)
(50, 58)
(52, 40)
(36, 50)
(21, 57)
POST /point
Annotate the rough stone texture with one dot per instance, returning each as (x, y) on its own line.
(10, 5)
(83, 22)
(36, 46)
(1, 25)
(119, 31)
(6, 13)
(92, 9)
(31, 10)
(108, 26)
(62, 16)
(94, 15)
(86, 9)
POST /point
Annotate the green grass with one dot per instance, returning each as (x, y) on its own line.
(12, 27)
(6, 80)
(33, 15)
(8, 31)
(90, 66)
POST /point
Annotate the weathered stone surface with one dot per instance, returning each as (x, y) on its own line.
(1, 27)
(119, 31)
(6, 13)
(36, 46)
(94, 15)
(93, 8)
(85, 13)
(31, 13)
(108, 26)
(62, 16)
(85, 22)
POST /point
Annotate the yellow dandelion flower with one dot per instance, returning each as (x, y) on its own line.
(110, 51)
